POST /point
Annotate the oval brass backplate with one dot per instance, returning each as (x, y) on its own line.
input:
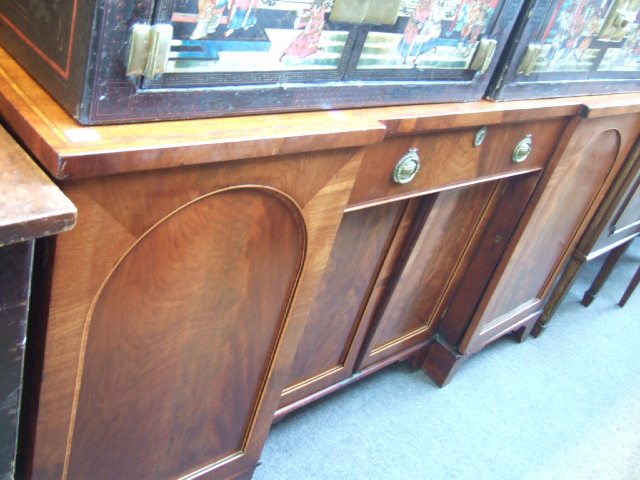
(523, 149)
(480, 136)
(407, 168)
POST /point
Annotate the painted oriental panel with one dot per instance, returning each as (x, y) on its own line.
(591, 35)
(148, 60)
(575, 47)
(263, 41)
(222, 36)
(433, 34)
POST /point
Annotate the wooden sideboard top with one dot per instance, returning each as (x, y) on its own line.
(69, 150)
(31, 205)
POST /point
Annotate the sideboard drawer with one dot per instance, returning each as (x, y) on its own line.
(451, 158)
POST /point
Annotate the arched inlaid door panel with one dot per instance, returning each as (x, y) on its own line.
(516, 295)
(179, 341)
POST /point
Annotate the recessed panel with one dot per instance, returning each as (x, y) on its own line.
(179, 341)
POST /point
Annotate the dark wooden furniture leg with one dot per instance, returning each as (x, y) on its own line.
(559, 292)
(442, 362)
(632, 285)
(603, 274)
(522, 333)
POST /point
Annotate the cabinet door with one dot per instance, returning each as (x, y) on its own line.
(382, 291)
(178, 340)
(430, 261)
(175, 306)
(579, 174)
(486, 255)
(382, 51)
(460, 242)
(328, 348)
(170, 59)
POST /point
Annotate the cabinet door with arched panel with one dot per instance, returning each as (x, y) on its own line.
(586, 161)
(174, 308)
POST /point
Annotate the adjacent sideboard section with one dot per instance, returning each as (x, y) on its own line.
(31, 207)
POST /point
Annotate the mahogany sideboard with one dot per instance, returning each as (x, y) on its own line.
(31, 207)
(611, 230)
(224, 272)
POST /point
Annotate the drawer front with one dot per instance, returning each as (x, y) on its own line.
(451, 158)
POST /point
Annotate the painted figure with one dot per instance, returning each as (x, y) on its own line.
(242, 15)
(593, 20)
(572, 28)
(477, 15)
(422, 30)
(308, 41)
(209, 15)
(562, 26)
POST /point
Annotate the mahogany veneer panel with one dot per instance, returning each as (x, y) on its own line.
(572, 187)
(407, 314)
(173, 313)
(512, 198)
(178, 346)
(326, 352)
(450, 159)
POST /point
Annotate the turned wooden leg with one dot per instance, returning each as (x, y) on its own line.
(627, 293)
(603, 274)
(442, 362)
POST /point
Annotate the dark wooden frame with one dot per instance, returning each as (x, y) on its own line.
(95, 89)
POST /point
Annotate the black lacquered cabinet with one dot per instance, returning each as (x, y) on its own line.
(112, 61)
(571, 47)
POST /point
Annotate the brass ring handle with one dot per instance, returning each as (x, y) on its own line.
(480, 136)
(523, 149)
(407, 168)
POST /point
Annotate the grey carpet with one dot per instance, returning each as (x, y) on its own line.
(563, 406)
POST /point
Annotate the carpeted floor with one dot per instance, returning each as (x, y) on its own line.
(563, 406)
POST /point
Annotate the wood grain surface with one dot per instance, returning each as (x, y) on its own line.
(568, 196)
(502, 219)
(451, 159)
(31, 205)
(67, 149)
(424, 274)
(180, 337)
(95, 310)
(326, 353)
